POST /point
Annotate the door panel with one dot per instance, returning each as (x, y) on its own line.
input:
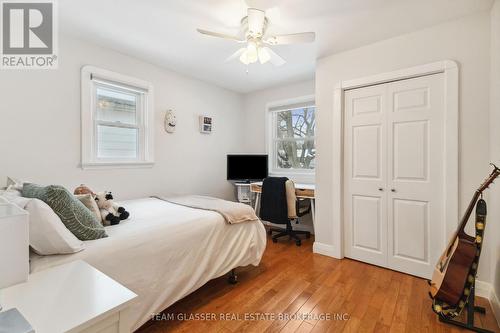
(412, 99)
(411, 150)
(411, 230)
(366, 152)
(393, 174)
(416, 149)
(366, 104)
(365, 206)
(366, 223)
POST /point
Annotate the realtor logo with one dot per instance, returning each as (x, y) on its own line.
(28, 35)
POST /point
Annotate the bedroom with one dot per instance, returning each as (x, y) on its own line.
(169, 264)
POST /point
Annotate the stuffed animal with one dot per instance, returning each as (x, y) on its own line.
(111, 213)
(83, 189)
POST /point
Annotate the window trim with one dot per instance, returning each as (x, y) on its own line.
(89, 76)
(304, 175)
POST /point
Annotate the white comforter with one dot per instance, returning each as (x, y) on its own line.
(166, 251)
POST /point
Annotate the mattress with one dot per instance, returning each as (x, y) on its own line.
(166, 251)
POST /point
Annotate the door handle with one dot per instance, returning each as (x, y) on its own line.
(393, 190)
(380, 189)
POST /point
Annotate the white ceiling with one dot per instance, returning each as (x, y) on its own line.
(163, 32)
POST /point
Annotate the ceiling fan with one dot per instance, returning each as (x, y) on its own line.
(253, 32)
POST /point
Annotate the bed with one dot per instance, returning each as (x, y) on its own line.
(166, 251)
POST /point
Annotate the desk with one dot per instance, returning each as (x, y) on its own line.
(305, 191)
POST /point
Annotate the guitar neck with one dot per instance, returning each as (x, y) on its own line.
(494, 174)
(468, 213)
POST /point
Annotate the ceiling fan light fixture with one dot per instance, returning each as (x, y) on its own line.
(264, 55)
(252, 52)
(253, 32)
(257, 22)
(244, 58)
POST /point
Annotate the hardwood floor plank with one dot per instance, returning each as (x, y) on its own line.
(278, 324)
(387, 310)
(304, 328)
(292, 280)
(276, 305)
(291, 326)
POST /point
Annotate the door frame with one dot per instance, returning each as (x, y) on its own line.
(451, 141)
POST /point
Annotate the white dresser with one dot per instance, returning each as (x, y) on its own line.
(14, 244)
(73, 297)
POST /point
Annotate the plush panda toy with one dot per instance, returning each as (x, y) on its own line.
(111, 213)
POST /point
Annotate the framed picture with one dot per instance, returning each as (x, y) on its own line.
(206, 124)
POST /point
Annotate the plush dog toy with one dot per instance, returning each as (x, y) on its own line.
(111, 213)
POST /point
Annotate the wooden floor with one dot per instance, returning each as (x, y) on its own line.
(293, 280)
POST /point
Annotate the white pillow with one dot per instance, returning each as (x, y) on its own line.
(10, 194)
(21, 202)
(48, 235)
(14, 183)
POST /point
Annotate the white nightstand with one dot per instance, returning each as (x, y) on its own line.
(73, 297)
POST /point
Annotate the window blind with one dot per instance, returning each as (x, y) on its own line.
(123, 86)
(299, 105)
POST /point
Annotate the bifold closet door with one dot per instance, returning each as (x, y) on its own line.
(393, 174)
(365, 202)
(415, 174)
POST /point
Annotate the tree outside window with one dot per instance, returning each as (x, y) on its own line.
(294, 138)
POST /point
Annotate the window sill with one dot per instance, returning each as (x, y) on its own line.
(116, 165)
(297, 176)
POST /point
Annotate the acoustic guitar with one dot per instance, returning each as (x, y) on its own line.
(456, 269)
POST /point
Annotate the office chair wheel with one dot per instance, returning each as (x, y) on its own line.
(298, 242)
(270, 232)
(232, 278)
(308, 235)
(275, 240)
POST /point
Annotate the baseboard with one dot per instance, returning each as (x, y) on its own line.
(495, 305)
(485, 289)
(325, 249)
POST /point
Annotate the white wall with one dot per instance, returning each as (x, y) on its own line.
(493, 228)
(467, 42)
(254, 105)
(40, 128)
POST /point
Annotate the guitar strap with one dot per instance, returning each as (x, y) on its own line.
(448, 311)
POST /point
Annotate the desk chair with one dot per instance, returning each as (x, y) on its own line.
(279, 205)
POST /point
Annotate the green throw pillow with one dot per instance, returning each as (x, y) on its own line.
(75, 216)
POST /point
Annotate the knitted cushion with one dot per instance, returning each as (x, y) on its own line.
(75, 216)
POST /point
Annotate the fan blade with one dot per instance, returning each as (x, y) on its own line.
(235, 55)
(219, 35)
(303, 37)
(275, 59)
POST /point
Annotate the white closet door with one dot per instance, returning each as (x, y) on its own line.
(365, 165)
(415, 174)
(393, 174)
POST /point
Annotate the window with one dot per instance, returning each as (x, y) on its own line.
(116, 120)
(292, 148)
